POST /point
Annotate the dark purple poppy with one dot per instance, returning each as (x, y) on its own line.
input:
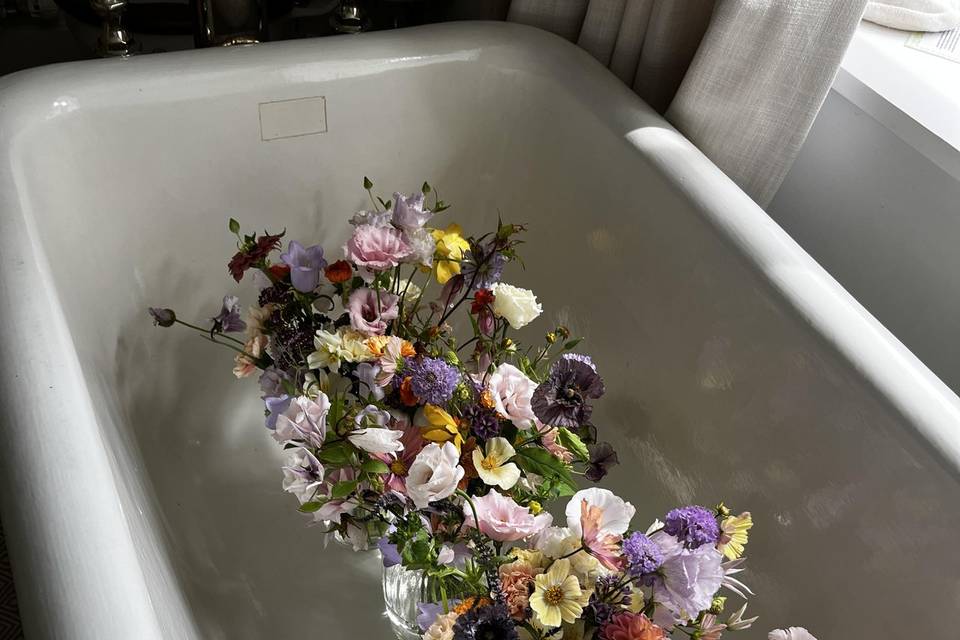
(602, 457)
(562, 399)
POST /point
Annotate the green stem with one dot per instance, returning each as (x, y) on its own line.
(206, 331)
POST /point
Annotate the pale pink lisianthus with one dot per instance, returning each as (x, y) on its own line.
(504, 520)
(371, 311)
(512, 390)
(376, 248)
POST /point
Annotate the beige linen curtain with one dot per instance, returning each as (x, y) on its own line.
(742, 79)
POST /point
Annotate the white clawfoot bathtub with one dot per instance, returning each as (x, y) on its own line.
(140, 494)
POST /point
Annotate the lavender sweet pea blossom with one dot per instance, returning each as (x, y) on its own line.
(228, 320)
(276, 405)
(305, 265)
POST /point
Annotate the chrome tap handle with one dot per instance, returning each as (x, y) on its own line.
(114, 40)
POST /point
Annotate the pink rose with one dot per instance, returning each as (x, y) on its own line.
(504, 520)
(370, 312)
(377, 248)
(511, 391)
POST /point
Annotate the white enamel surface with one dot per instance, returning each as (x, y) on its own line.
(140, 493)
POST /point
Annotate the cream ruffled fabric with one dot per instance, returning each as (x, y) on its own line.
(915, 15)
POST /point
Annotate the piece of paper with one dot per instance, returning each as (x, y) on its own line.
(945, 44)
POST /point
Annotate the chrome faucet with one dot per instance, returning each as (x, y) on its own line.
(229, 22)
(114, 40)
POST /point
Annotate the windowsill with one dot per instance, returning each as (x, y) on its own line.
(914, 93)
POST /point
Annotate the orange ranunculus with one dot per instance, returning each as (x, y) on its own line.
(338, 272)
(279, 271)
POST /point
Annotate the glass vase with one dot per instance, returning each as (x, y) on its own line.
(403, 590)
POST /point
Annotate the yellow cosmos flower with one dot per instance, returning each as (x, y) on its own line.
(733, 535)
(557, 597)
(440, 426)
(450, 249)
(493, 467)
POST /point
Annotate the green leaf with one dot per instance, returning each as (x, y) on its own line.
(543, 463)
(570, 344)
(573, 442)
(234, 226)
(425, 188)
(310, 507)
(336, 453)
(343, 489)
(372, 465)
(367, 184)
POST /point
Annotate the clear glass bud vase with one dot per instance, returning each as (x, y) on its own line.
(403, 590)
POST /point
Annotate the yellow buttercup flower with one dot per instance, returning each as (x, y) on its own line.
(733, 535)
(449, 252)
(440, 426)
(557, 596)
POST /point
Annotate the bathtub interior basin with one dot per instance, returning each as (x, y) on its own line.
(142, 495)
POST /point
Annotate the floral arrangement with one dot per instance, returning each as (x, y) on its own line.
(441, 440)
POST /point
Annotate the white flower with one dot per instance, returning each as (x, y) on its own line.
(377, 440)
(691, 577)
(793, 633)
(493, 467)
(511, 390)
(442, 628)
(305, 419)
(332, 348)
(518, 306)
(552, 541)
(617, 513)
(434, 474)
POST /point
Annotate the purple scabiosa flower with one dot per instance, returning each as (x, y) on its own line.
(431, 379)
(490, 622)
(693, 526)
(642, 554)
(483, 421)
(162, 317)
(228, 320)
(305, 264)
(562, 399)
(602, 457)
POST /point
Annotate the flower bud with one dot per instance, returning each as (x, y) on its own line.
(163, 317)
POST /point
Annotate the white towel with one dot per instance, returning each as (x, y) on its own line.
(915, 15)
